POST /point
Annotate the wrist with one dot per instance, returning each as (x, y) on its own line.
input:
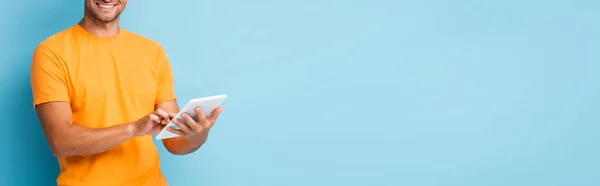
(131, 129)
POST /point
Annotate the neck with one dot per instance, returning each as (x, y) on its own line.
(99, 28)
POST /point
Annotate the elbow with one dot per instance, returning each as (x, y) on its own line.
(175, 151)
(58, 149)
(176, 147)
(58, 154)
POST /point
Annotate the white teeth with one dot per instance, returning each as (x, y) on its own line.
(107, 6)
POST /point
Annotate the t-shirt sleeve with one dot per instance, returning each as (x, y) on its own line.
(166, 90)
(47, 77)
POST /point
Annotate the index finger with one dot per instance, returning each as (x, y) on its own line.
(200, 115)
(171, 116)
(163, 115)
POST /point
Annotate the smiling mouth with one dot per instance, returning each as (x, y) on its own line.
(106, 6)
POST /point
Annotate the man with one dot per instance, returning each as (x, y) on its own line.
(100, 92)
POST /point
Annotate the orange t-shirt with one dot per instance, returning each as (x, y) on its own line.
(107, 81)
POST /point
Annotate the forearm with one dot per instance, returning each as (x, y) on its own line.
(75, 140)
(180, 145)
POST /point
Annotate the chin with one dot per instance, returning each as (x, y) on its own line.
(107, 18)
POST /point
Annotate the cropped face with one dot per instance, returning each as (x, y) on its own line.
(105, 10)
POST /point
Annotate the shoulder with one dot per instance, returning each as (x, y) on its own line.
(146, 46)
(142, 41)
(52, 48)
(56, 44)
(58, 39)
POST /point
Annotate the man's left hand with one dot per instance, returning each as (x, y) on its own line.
(196, 131)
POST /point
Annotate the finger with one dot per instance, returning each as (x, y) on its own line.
(201, 118)
(163, 122)
(214, 115)
(190, 122)
(154, 118)
(162, 114)
(175, 131)
(183, 127)
(156, 129)
(172, 115)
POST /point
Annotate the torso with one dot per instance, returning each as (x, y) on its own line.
(110, 81)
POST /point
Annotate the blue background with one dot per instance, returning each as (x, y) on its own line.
(369, 92)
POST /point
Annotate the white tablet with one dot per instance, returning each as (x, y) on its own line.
(208, 104)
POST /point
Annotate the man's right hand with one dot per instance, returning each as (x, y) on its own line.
(152, 123)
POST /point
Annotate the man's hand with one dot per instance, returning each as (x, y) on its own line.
(196, 131)
(152, 123)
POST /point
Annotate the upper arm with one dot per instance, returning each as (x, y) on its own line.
(48, 77)
(166, 90)
(54, 117)
(168, 106)
(50, 94)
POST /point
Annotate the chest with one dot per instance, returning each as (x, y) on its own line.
(116, 79)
